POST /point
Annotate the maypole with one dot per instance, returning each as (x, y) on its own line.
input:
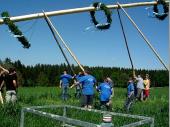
(76, 10)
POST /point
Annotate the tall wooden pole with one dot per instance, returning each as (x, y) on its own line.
(75, 10)
(126, 43)
(68, 49)
(144, 37)
(62, 51)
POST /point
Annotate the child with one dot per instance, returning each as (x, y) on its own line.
(105, 94)
(77, 86)
(130, 94)
(147, 86)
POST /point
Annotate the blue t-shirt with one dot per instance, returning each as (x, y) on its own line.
(105, 90)
(87, 82)
(78, 77)
(130, 88)
(65, 78)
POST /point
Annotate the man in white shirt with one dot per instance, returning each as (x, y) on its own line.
(140, 87)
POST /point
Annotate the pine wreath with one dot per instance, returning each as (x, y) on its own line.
(107, 12)
(14, 29)
(161, 16)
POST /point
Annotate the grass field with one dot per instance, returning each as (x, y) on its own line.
(157, 107)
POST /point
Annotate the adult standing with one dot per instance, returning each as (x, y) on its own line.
(11, 86)
(88, 82)
(64, 84)
(140, 87)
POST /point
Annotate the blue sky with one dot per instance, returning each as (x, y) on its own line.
(92, 47)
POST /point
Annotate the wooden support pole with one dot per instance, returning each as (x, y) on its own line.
(144, 37)
(3, 69)
(75, 10)
(62, 51)
(69, 50)
(126, 43)
(64, 43)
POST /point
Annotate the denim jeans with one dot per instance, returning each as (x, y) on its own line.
(65, 92)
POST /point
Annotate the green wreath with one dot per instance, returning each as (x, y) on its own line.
(14, 29)
(107, 12)
(161, 16)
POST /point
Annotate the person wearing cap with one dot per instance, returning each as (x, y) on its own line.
(105, 94)
(11, 86)
(64, 84)
(88, 82)
(130, 94)
(147, 87)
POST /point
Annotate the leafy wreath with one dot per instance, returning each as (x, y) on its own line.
(161, 16)
(107, 12)
(14, 29)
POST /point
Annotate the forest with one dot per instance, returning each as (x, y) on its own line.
(49, 75)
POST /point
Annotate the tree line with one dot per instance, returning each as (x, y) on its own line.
(49, 75)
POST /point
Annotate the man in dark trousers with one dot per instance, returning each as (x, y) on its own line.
(88, 82)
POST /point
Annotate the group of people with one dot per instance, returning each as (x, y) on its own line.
(85, 85)
(137, 89)
(8, 78)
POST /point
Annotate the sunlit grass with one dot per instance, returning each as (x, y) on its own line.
(157, 107)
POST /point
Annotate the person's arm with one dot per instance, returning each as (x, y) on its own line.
(2, 84)
(4, 69)
(98, 88)
(15, 83)
(60, 83)
(75, 84)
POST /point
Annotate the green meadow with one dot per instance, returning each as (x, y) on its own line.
(157, 107)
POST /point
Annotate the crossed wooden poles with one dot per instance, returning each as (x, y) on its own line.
(78, 10)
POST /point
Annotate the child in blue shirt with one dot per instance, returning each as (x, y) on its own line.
(130, 94)
(105, 94)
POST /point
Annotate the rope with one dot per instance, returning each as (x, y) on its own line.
(144, 37)
(126, 43)
(52, 31)
(33, 29)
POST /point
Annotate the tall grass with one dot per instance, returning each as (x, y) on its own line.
(157, 106)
